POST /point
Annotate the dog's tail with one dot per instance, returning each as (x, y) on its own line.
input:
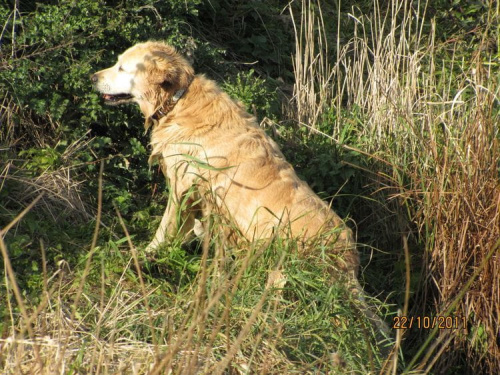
(377, 324)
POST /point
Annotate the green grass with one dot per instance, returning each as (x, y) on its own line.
(258, 307)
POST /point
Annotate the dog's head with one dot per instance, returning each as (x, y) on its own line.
(150, 74)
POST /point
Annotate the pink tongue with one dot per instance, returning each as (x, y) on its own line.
(106, 96)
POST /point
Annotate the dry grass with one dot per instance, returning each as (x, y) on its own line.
(60, 185)
(313, 89)
(434, 123)
(248, 310)
(228, 319)
(20, 125)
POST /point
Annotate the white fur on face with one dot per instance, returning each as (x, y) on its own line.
(116, 80)
(120, 78)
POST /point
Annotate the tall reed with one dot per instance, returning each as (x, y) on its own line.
(432, 117)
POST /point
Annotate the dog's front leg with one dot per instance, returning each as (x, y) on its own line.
(167, 226)
(179, 219)
(182, 208)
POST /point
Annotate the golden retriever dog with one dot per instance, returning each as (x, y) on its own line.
(212, 151)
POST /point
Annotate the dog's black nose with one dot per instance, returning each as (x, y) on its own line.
(93, 78)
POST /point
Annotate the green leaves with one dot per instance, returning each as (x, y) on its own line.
(258, 95)
(39, 160)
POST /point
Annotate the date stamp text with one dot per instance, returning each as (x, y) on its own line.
(429, 322)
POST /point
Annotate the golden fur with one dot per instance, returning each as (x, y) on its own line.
(206, 142)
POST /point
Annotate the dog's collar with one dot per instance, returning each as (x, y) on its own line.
(160, 112)
(178, 94)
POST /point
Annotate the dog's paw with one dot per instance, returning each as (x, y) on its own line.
(151, 248)
(198, 229)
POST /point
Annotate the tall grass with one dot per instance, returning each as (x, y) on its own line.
(256, 309)
(432, 120)
(313, 89)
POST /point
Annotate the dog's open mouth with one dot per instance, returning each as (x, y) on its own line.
(117, 99)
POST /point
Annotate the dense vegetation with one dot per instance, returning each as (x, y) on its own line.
(391, 108)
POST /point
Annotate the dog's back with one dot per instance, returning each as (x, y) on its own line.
(245, 173)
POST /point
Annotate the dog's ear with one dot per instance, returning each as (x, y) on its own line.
(169, 69)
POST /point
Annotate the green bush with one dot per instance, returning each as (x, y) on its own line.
(57, 124)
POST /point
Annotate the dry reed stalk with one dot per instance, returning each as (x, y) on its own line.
(382, 70)
(439, 131)
(442, 137)
(313, 89)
